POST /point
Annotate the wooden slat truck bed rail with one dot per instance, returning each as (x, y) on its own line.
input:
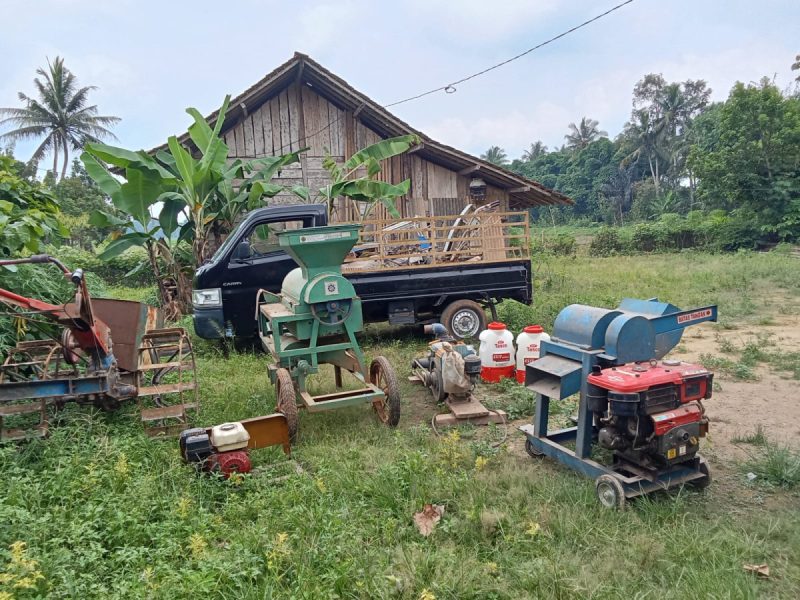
(421, 242)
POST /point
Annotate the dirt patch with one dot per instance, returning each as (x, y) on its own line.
(737, 408)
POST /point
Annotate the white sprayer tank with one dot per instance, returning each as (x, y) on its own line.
(529, 342)
(496, 352)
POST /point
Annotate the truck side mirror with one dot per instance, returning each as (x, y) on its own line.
(242, 251)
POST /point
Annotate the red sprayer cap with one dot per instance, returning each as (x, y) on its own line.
(495, 326)
(533, 329)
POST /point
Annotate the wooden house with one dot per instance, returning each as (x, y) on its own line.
(301, 104)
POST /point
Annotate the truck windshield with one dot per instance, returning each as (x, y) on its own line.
(233, 235)
(262, 238)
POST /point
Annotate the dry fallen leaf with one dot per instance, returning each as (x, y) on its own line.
(428, 517)
(760, 570)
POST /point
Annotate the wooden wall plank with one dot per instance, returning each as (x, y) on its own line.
(258, 134)
(230, 142)
(249, 142)
(294, 117)
(275, 118)
(311, 118)
(286, 134)
(266, 124)
(239, 131)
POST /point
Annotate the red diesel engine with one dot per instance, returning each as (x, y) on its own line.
(651, 413)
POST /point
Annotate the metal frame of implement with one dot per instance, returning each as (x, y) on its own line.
(585, 337)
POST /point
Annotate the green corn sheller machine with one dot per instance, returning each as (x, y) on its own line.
(314, 321)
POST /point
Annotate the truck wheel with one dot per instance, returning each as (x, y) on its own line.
(381, 374)
(464, 318)
(286, 401)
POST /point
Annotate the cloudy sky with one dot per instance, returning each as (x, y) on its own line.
(152, 59)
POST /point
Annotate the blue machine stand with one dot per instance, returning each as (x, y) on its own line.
(584, 338)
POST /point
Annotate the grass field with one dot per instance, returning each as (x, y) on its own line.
(98, 510)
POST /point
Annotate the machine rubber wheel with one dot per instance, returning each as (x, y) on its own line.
(464, 319)
(703, 482)
(609, 492)
(437, 386)
(286, 401)
(532, 452)
(381, 374)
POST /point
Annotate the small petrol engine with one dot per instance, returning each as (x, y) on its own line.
(224, 450)
(451, 371)
(651, 413)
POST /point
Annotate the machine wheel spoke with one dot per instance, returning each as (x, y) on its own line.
(381, 375)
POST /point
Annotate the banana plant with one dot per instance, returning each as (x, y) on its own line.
(367, 189)
(194, 198)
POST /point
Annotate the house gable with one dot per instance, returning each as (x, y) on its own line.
(302, 105)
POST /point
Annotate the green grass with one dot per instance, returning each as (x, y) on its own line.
(106, 512)
(742, 284)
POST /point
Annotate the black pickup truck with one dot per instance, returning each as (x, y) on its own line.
(250, 259)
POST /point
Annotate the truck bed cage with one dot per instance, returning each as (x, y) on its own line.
(424, 242)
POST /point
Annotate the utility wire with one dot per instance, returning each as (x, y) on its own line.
(450, 87)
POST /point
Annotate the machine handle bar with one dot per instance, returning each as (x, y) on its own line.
(684, 318)
(37, 259)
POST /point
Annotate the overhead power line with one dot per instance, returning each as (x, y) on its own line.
(451, 87)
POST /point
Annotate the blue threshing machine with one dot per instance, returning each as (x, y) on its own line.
(646, 411)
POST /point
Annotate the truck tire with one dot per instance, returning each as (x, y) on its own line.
(464, 319)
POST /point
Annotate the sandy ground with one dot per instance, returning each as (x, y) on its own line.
(739, 407)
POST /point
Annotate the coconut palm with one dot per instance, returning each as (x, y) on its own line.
(646, 138)
(535, 150)
(495, 155)
(583, 134)
(60, 114)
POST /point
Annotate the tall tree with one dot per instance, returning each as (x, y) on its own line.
(642, 136)
(583, 134)
(61, 114)
(534, 151)
(496, 155)
(657, 132)
(755, 161)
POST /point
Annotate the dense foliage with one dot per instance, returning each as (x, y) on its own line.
(28, 212)
(678, 154)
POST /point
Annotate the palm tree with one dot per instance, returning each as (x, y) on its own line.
(536, 150)
(60, 114)
(583, 134)
(495, 155)
(646, 138)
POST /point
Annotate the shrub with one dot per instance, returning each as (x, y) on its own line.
(777, 465)
(115, 270)
(607, 242)
(563, 244)
(644, 237)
